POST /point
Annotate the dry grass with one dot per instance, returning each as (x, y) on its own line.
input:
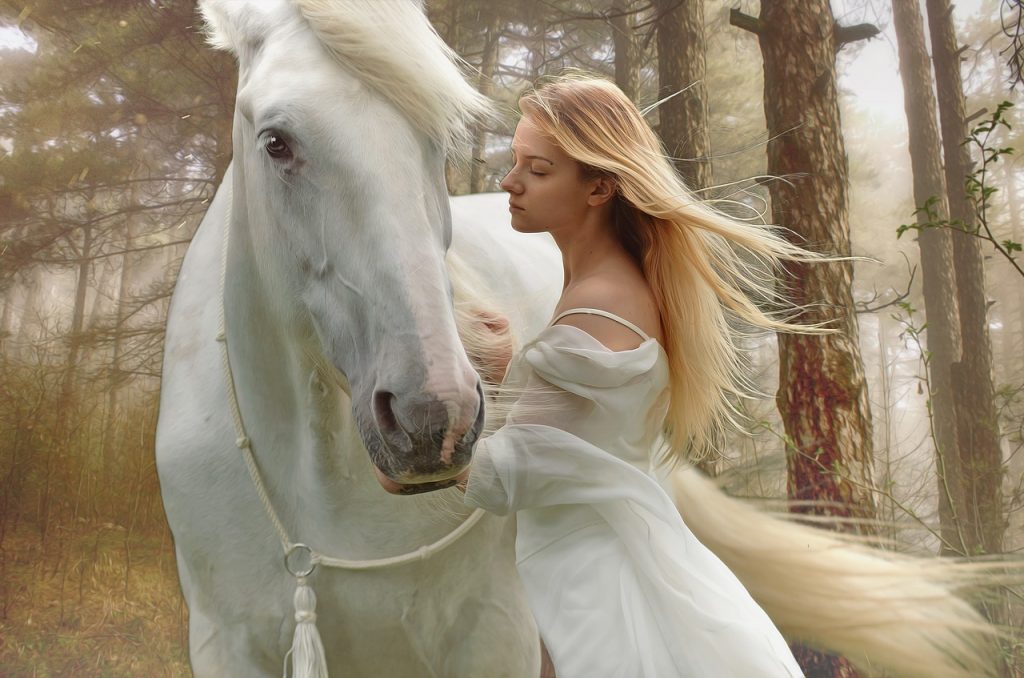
(90, 604)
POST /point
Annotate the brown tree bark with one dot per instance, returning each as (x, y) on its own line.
(478, 171)
(683, 119)
(977, 424)
(627, 51)
(5, 320)
(937, 267)
(822, 393)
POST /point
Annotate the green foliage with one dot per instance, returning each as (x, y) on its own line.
(977, 189)
(114, 129)
(116, 98)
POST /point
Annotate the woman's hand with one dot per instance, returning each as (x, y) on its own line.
(493, 362)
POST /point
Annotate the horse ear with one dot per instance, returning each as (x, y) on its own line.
(217, 26)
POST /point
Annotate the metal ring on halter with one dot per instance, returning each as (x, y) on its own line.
(296, 569)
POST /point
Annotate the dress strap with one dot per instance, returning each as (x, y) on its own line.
(606, 314)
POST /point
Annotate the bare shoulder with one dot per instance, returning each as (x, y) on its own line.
(628, 297)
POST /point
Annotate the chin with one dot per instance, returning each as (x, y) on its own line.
(524, 228)
(393, 487)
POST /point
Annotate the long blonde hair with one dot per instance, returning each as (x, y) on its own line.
(711, 274)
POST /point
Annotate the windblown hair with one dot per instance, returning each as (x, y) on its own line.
(390, 46)
(396, 51)
(710, 273)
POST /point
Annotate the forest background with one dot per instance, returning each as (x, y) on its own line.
(115, 126)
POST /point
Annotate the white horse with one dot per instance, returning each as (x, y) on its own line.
(312, 356)
(332, 225)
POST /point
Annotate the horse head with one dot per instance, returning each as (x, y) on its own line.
(344, 113)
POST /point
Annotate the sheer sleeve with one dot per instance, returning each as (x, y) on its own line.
(565, 414)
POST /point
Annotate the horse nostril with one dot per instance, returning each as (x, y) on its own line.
(481, 415)
(426, 431)
(383, 411)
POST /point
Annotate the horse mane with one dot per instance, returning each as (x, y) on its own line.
(392, 47)
(486, 334)
(388, 44)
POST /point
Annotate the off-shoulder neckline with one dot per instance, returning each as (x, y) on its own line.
(643, 344)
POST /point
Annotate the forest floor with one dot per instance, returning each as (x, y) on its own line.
(95, 604)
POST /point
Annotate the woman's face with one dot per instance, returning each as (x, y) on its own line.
(545, 186)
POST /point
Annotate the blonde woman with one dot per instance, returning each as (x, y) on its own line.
(640, 343)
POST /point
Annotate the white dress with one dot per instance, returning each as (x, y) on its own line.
(618, 584)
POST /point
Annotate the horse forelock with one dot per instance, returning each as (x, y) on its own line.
(391, 46)
(388, 44)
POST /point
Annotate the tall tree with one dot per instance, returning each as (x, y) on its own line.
(489, 58)
(627, 49)
(937, 266)
(822, 395)
(683, 119)
(980, 470)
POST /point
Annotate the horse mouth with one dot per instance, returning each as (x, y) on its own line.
(394, 487)
(420, 488)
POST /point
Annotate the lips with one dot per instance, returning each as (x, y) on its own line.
(513, 207)
(419, 488)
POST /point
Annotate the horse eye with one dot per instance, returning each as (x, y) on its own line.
(277, 147)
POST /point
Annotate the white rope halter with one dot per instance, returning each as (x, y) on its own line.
(299, 559)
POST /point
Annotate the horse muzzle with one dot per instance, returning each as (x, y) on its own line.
(419, 445)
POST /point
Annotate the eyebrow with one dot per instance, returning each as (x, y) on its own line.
(534, 157)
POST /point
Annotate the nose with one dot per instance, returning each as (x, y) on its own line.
(510, 183)
(429, 435)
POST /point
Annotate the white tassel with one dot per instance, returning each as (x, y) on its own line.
(308, 658)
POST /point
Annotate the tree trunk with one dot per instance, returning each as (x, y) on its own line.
(66, 400)
(115, 380)
(627, 51)
(449, 31)
(940, 297)
(1014, 338)
(28, 320)
(77, 318)
(683, 119)
(5, 319)
(977, 424)
(478, 171)
(1013, 203)
(883, 428)
(822, 397)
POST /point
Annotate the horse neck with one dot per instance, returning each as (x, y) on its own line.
(315, 468)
